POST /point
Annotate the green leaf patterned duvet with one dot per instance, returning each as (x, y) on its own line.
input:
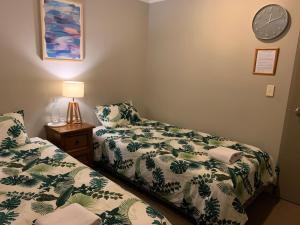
(37, 178)
(173, 163)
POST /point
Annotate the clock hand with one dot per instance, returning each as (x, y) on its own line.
(269, 21)
(277, 18)
(270, 17)
(263, 26)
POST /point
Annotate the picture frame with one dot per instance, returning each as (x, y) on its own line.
(266, 60)
(62, 30)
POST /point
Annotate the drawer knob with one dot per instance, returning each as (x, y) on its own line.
(298, 111)
(77, 142)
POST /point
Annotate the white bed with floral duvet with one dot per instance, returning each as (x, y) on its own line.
(36, 178)
(173, 164)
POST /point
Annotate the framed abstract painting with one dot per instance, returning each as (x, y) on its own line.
(62, 29)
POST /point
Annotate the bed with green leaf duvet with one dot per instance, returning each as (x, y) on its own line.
(38, 178)
(173, 164)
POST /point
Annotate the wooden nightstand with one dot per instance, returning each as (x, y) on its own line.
(75, 139)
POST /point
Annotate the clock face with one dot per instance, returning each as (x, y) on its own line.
(270, 22)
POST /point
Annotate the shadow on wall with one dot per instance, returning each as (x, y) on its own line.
(23, 87)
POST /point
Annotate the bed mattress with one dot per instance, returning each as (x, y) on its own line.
(173, 164)
(38, 178)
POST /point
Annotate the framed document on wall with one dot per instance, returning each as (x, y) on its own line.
(265, 62)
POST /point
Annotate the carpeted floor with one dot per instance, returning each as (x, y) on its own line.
(264, 211)
(269, 211)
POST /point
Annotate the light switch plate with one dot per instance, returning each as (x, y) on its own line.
(270, 90)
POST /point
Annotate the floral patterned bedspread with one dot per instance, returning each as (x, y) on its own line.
(173, 163)
(38, 178)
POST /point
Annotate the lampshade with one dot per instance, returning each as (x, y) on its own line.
(73, 89)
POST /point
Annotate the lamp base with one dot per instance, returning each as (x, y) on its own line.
(73, 114)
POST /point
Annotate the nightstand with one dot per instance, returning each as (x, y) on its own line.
(75, 139)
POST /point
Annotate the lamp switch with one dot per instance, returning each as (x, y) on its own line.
(270, 91)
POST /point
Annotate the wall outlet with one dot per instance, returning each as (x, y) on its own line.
(270, 90)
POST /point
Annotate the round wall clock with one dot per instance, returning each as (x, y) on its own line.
(270, 22)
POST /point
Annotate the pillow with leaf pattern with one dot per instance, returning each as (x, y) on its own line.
(117, 115)
(12, 130)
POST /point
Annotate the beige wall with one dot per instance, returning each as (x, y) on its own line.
(201, 56)
(115, 37)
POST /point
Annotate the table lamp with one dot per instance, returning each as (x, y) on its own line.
(73, 89)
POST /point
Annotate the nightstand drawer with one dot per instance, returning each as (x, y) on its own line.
(78, 141)
(82, 155)
(75, 139)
